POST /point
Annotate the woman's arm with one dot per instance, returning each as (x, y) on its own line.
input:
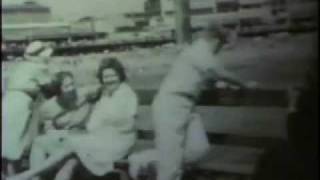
(45, 117)
(79, 122)
(127, 120)
(87, 99)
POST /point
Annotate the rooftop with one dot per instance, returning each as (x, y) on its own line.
(25, 7)
(252, 1)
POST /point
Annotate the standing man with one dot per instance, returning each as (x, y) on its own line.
(26, 81)
(177, 97)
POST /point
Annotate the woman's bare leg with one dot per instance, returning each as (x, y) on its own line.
(66, 172)
(37, 157)
(49, 163)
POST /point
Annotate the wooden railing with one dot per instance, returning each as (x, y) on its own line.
(240, 125)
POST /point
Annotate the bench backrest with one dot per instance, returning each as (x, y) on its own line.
(251, 118)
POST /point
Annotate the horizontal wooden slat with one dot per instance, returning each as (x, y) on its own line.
(142, 145)
(221, 158)
(223, 139)
(241, 121)
(228, 97)
(231, 159)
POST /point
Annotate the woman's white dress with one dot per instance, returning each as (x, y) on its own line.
(111, 132)
(53, 140)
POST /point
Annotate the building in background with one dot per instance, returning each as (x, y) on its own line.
(225, 6)
(246, 13)
(199, 9)
(152, 10)
(303, 12)
(33, 21)
(23, 21)
(152, 7)
(28, 12)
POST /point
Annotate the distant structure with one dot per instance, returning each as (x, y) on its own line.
(19, 20)
(152, 8)
(28, 21)
(198, 8)
(28, 12)
(246, 13)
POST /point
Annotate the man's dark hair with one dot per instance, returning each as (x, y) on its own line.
(58, 80)
(111, 63)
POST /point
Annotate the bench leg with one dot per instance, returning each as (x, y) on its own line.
(244, 177)
(149, 173)
(122, 174)
(123, 170)
(231, 177)
(10, 169)
(67, 170)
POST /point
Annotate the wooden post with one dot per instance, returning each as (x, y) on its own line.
(93, 28)
(182, 20)
(69, 40)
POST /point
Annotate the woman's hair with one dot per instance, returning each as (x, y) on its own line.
(111, 63)
(58, 80)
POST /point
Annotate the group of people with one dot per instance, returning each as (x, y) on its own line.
(59, 123)
(47, 117)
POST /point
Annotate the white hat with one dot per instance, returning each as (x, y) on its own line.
(37, 48)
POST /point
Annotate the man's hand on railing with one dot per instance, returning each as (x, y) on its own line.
(247, 85)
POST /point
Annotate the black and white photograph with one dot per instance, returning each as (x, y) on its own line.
(159, 90)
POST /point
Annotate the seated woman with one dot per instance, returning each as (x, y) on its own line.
(109, 133)
(59, 115)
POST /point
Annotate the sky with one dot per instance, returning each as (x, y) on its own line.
(74, 9)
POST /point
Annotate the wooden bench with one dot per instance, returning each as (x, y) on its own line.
(240, 127)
